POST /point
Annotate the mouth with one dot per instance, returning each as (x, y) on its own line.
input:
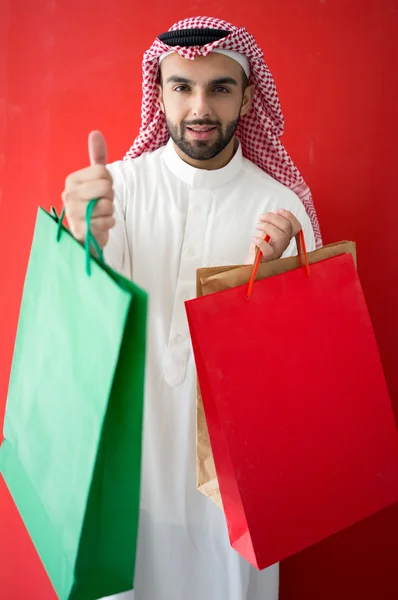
(201, 132)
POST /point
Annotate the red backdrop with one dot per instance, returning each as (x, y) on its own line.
(68, 66)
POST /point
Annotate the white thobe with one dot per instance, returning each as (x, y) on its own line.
(172, 218)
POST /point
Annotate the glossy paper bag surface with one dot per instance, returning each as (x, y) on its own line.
(299, 418)
(72, 450)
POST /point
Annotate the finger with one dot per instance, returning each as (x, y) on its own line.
(295, 223)
(278, 221)
(102, 225)
(278, 236)
(97, 148)
(99, 229)
(99, 188)
(266, 228)
(251, 257)
(76, 211)
(101, 239)
(87, 174)
(87, 191)
(266, 248)
(103, 208)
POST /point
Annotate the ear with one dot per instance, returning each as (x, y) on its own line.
(247, 99)
(160, 97)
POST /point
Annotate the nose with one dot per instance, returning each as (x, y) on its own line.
(200, 105)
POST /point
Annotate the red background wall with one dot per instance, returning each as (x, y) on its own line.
(68, 66)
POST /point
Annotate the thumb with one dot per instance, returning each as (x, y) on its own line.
(96, 148)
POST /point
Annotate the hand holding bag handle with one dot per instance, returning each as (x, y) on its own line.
(90, 239)
(301, 251)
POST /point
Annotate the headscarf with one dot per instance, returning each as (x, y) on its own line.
(258, 131)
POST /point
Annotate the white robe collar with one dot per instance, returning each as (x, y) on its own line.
(201, 178)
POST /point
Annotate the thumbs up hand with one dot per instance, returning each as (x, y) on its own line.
(85, 185)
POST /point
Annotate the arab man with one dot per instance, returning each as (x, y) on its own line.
(204, 182)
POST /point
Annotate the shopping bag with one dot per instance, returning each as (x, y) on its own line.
(217, 279)
(296, 404)
(71, 456)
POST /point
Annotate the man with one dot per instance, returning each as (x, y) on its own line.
(172, 206)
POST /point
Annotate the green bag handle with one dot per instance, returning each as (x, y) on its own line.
(90, 239)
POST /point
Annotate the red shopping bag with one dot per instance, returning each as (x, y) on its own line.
(297, 408)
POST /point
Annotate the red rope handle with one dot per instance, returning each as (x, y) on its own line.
(301, 249)
(255, 268)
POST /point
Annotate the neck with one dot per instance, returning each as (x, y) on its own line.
(217, 162)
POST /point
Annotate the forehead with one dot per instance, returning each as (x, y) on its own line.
(201, 68)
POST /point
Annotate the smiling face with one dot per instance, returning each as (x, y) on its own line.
(203, 100)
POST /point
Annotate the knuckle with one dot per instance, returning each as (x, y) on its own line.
(101, 225)
(95, 227)
(74, 203)
(103, 208)
(74, 222)
(67, 196)
(75, 215)
(105, 188)
(78, 230)
(68, 181)
(104, 238)
(100, 172)
(96, 171)
(99, 189)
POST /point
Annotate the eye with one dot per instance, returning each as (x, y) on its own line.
(181, 88)
(221, 89)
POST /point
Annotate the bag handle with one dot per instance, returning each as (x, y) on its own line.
(301, 250)
(90, 239)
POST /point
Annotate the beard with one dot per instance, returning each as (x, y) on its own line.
(202, 149)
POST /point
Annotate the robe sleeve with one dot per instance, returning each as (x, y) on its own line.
(116, 252)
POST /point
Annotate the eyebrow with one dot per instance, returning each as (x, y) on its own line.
(218, 81)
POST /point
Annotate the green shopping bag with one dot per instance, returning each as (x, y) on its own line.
(71, 456)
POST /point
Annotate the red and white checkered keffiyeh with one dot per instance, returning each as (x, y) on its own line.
(258, 131)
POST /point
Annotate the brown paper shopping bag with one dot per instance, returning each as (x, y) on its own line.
(210, 280)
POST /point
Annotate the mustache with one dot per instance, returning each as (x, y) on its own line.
(198, 122)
